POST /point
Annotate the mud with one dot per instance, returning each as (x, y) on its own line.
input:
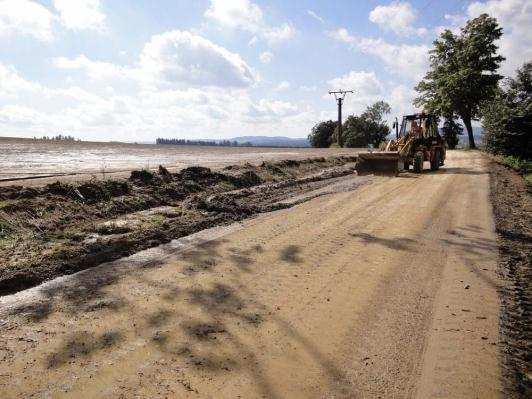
(34, 162)
(513, 221)
(64, 227)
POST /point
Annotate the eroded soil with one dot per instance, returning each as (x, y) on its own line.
(38, 162)
(63, 228)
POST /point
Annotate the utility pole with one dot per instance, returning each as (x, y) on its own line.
(339, 95)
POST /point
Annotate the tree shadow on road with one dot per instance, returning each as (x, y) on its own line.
(291, 254)
(399, 243)
(460, 171)
(200, 323)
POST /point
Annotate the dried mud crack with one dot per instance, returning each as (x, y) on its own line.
(63, 228)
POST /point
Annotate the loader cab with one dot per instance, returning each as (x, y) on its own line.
(421, 126)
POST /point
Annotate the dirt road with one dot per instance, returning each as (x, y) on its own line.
(387, 290)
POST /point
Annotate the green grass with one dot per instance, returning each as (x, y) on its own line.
(523, 166)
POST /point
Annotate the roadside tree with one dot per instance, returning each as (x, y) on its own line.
(368, 128)
(451, 130)
(321, 134)
(462, 72)
(507, 119)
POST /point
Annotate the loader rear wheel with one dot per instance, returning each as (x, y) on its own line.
(418, 163)
(435, 162)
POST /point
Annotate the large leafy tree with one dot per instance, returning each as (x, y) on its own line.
(368, 128)
(463, 72)
(321, 134)
(507, 118)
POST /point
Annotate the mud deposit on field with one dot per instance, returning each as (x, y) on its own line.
(37, 161)
(63, 228)
(511, 203)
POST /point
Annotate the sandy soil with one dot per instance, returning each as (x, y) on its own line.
(387, 289)
(35, 162)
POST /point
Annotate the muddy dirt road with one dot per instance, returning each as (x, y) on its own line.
(385, 290)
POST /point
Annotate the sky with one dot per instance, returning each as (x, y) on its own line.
(134, 70)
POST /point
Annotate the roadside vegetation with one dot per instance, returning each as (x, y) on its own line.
(367, 129)
(507, 123)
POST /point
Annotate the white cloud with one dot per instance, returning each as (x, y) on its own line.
(266, 57)
(248, 16)
(400, 99)
(284, 85)
(24, 118)
(268, 111)
(308, 88)
(181, 57)
(95, 70)
(515, 17)
(315, 16)
(12, 84)
(240, 14)
(81, 14)
(278, 34)
(397, 17)
(26, 18)
(406, 60)
(149, 112)
(174, 58)
(364, 84)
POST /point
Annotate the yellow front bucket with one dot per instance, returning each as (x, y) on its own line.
(378, 163)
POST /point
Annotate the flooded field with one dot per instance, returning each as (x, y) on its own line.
(26, 161)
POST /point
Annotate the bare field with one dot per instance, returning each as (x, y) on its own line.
(37, 162)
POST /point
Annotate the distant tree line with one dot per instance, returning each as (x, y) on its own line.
(59, 137)
(219, 143)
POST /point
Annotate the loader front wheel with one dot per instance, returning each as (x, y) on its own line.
(418, 162)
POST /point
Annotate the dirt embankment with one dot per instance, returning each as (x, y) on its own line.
(64, 228)
(512, 205)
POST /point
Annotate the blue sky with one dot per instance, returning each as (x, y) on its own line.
(134, 70)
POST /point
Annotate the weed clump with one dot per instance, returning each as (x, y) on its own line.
(143, 175)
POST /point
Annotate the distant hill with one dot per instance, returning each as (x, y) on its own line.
(272, 141)
(477, 134)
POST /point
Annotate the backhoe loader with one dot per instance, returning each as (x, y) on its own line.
(417, 141)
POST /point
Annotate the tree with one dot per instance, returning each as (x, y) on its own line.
(451, 131)
(462, 72)
(321, 134)
(507, 118)
(368, 128)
